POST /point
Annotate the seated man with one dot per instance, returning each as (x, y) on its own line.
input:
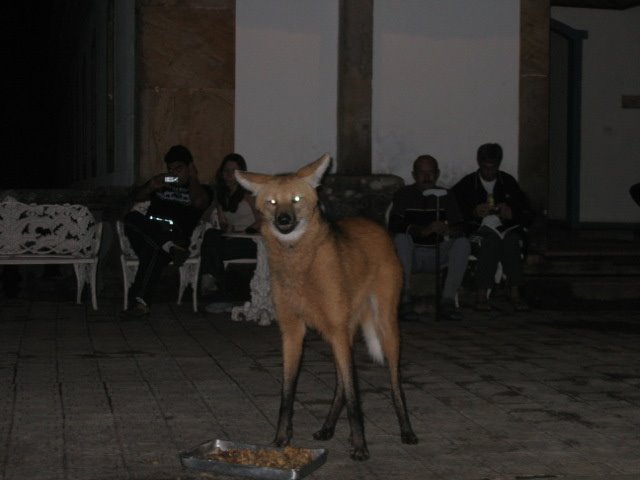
(496, 210)
(415, 242)
(177, 200)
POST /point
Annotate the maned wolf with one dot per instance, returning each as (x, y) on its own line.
(334, 278)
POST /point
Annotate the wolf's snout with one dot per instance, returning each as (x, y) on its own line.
(285, 222)
(284, 219)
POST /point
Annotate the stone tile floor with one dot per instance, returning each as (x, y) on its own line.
(540, 395)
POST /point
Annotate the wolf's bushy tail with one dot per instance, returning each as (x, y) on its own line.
(371, 332)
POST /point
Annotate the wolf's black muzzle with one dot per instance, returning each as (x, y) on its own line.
(285, 222)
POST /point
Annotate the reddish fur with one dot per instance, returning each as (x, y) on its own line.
(323, 280)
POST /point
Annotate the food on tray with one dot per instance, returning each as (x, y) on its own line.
(287, 458)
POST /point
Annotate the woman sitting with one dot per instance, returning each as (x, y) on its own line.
(233, 212)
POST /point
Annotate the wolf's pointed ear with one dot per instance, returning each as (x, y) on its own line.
(312, 173)
(252, 182)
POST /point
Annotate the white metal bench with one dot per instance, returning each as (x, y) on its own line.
(32, 234)
(189, 271)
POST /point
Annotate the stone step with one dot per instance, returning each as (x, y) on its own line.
(583, 291)
(584, 264)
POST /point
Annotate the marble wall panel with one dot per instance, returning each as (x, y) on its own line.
(186, 47)
(186, 82)
(201, 119)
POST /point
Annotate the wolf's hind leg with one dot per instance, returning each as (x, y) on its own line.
(391, 347)
(329, 425)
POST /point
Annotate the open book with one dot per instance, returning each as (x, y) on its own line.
(494, 223)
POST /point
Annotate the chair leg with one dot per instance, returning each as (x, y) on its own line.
(92, 280)
(183, 271)
(80, 280)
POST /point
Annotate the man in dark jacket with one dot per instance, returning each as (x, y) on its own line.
(496, 210)
(414, 238)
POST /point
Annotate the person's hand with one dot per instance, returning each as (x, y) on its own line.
(482, 210)
(157, 181)
(505, 211)
(440, 228)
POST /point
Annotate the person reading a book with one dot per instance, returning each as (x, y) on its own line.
(425, 222)
(496, 211)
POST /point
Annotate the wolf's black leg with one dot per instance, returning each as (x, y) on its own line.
(292, 342)
(329, 425)
(344, 365)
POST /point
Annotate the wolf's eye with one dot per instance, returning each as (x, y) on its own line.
(272, 201)
(296, 198)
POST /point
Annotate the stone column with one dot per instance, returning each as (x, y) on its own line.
(533, 166)
(354, 87)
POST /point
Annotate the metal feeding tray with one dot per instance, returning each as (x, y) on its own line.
(200, 458)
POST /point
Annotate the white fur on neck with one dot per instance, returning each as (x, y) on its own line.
(291, 237)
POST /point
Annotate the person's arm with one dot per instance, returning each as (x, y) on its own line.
(455, 219)
(200, 197)
(144, 192)
(518, 208)
(464, 194)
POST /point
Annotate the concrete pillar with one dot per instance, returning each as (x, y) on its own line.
(533, 166)
(354, 87)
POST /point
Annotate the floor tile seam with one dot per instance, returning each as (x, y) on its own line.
(114, 423)
(249, 395)
(5, 460)
(202, 395)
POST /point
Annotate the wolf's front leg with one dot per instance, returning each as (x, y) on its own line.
(292, 342)
(344, 364)
(329, 425)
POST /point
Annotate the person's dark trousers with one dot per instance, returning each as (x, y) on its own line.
(216, 248)
(146, 238)
(494, 249)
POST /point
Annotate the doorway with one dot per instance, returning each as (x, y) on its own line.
(565, 88)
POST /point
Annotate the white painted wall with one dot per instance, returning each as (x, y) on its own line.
(445, 80)
(610, 148)
(286, 82)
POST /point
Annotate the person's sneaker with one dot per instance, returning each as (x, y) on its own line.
(208, 284)
(179, 255)
(449, 312)
(139, 310)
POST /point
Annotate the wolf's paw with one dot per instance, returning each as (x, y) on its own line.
(359, 454)
(409, 437)
(323, 434)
